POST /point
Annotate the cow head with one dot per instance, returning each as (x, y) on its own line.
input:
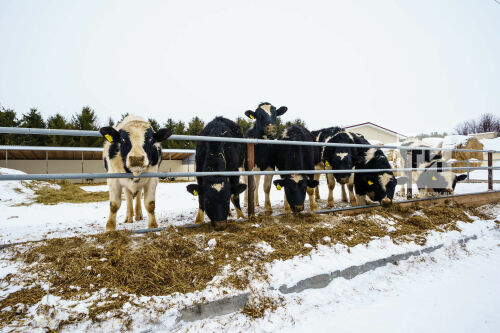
(265, 117)
(380, 186)
(437, 180)
(295, 189)
(339, 158)
(138, 144)
(215, 195)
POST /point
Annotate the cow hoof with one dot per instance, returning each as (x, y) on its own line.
(139, 217)
(330, 204)
(128, 219)
(153, 225)
(110, 228)
(220, 225)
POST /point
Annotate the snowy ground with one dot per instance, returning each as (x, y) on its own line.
(452, 289)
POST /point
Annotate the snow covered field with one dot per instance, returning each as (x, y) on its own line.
(454, 288)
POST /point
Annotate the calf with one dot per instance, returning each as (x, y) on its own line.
(379, 185)
(291, 157)
(264, 127)
(132, 147)
(340, 158)
(434, 179)
(215, 192)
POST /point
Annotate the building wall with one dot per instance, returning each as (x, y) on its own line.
(89, 166)
(371, 133)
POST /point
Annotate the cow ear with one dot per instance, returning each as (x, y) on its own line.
(461, 177)
(162, 134)
(110, 134)
(238, 188)
(311, 183)
(402, 180)
(250, 114)
(281, 111)
(437, 157)
(279, 183)
(194, 189)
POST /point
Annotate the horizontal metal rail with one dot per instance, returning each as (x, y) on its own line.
(42, 131)
(212, 173)
(85, 149)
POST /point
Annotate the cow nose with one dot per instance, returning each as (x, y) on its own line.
(386, 202)
(298, 208)
(136, 161)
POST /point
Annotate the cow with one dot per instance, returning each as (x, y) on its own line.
(293, 157)
(216, 192)
(264, 127)
(434, 180)
(132, 147)
(340, 158)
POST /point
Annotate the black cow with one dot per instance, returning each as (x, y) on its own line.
(215, 192)
(340, 158)
(291, 157)
(264, 127)
(132, 147)
(323, 135)
(379, 186)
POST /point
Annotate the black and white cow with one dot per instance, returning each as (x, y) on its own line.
(132, 147)
(291, 157)
(264, 127)
(324, 135)
(340, 158)
(216, 192)
(379, 186)
(435, 180)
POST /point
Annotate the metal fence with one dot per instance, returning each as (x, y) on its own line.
(250, 144)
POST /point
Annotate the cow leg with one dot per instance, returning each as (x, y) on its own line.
(115, 201)
(130, 206)
(352, 197)
(235, 199)
(138, 206)
(403, 191)
(344, 193)
(267, 189)
(422, 193)
(245, 181)
(361, 200)
(312, 201)
(149, 202)
(256, 189)
(331, 185)
(287, 205)
(319, 166)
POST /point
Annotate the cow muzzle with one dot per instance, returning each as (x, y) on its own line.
(298, 208)
(270, 130)
(136, 161)
(344, 180)
(386, 202)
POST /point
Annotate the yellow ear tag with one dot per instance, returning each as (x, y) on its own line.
(370, 182)
(327, 164)
(195, 193)
(278, 187)
(434, 178)
(109, 138)
(252, 117)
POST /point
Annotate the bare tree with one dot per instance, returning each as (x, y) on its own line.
(487, 122)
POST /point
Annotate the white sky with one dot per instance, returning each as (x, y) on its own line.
(411, 66)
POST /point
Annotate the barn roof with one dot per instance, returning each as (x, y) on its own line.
(369, 123)
(76, 153)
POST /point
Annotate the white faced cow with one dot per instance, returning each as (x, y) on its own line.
(132, 147)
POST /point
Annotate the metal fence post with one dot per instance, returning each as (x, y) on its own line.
(490, 171)
(409, 189)
(250, 182)
(47, 162)
(468, 172)
(6, 158)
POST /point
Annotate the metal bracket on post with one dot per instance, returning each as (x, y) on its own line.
(250, 182)
(490, 171)
(409, 189)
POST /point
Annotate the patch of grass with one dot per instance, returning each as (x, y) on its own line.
(68, 192)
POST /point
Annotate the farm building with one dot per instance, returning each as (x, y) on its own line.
(376, 133)
(35, 160)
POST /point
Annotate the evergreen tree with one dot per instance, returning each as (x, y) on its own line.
(33, 119)
(86, 120)
(176, 128)
(111, 122)
(124, 115)
(58, 121)
(195, 126)
(8, 118)
(244, 124)
(154, 124)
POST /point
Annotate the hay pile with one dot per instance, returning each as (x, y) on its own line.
(462, 157)
(180, 260)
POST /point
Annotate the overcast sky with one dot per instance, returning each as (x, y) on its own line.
(411, 66)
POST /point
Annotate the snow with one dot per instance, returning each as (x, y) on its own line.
(491, 144)
(483, 174)
(451, 141)
(433, 141)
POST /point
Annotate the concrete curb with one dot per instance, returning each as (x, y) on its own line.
(236, 303)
